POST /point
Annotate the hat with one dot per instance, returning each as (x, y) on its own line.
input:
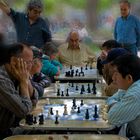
(37, 52)
(113, 54)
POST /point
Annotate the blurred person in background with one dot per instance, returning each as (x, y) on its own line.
(127, 28)
(30, 27)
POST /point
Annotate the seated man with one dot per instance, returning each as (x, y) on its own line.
(124, 106)
(16, 91)
(38, 79)
(75, 53)
(111, 88)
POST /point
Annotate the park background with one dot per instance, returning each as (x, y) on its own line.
(97, 17)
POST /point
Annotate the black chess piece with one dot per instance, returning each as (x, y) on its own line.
(79, 74)
(67, 92)
(94, 92)
(91, 66)
(70, 66)
(82, 103)
(41, 119)
(87, 114)
(62, 93)
(78, 111)
(56, 120)
(81, 92)
(74, 103)
(58, 92)
(88, 89)
(35, 120)
(95, 112)
(29, 119)
(76, 87)
(51, 111)
(81, 69)
(72, 84)
(83, 74)
(83, 88)
(86, 68)
(72, 73)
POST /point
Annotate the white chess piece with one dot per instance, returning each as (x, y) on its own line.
(47, 101)
(65, 110)
(57, 114)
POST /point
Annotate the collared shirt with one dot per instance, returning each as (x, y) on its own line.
(36, 34)
(12, 104)
(127, 30)
(75, 57)
(127, 106)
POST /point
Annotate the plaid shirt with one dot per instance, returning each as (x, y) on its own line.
(11, 103)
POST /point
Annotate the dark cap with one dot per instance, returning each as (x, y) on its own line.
(37, 52)
(113, 54)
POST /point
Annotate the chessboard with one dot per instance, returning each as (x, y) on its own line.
(77, 90)
(66, 137)
(78, 73)
(68, 114)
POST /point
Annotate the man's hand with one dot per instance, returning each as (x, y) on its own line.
(4, 7)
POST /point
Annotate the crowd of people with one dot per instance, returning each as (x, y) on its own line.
(39, 59)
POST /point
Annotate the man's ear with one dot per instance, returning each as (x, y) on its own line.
(13, 60)
(129, 78)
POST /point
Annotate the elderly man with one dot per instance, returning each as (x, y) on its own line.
(17, 96)
(30, 27)
(127, 28)
(75, 53)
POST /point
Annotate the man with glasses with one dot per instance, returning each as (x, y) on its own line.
(127, 28)
(17, 95)
(30, 27)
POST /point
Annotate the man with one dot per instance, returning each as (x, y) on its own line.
(17, 96)
(127, 28)
(75, 53)
(111, 89)
(30, 27)
(125, 104)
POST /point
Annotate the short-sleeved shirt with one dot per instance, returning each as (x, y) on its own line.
(36, 34)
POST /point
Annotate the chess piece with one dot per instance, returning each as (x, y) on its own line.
(35, 120)
(72, 84)
(95, 112)
(82, 103)
(79, 74)
(70, 66)
(94, 91)
(72, 73)
(83, 88)
(62, 93)
(41, 119)
(76, 72)
(49, 115)
(29, 119)
(56, 120)
(74, 103)
(87, 114)
(78, 111)
(81, 69)
(65, 110)
(58, 92)
(47, 101)
(67, 92)
(83, 74)
(88, 89)
(76, 87)
(81, 91)
(72, 109)
(51, 111)
(91, 66)
(86, 68)
(57, 114)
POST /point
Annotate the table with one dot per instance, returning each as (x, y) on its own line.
(74, 90)
(73, 120)
(66, 137)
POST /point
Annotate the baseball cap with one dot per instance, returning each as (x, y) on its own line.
(113, 54)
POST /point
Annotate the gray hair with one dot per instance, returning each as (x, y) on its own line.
(125, 1)
(34, 4)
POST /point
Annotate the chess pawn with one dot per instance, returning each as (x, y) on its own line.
(41, 119)
(67, 92)
(58, 92)
(86, 67)
(78, 111)
(47, 101)
(62, 94)
(65, 110)
(95, 112)
(87, 114)
(82, 103)
(72, 110)
(57, 114)
(49, 115)
(56, 120)
(51, 111)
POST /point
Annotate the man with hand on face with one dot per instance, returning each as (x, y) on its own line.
(127, 28)
(17, 95)
(30, 27)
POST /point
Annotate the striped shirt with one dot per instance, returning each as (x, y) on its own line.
(127, 106)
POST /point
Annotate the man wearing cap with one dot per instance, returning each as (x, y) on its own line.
(30, 27)
(127, 28)
(110, 89)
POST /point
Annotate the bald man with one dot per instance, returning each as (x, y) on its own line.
(74, 53)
